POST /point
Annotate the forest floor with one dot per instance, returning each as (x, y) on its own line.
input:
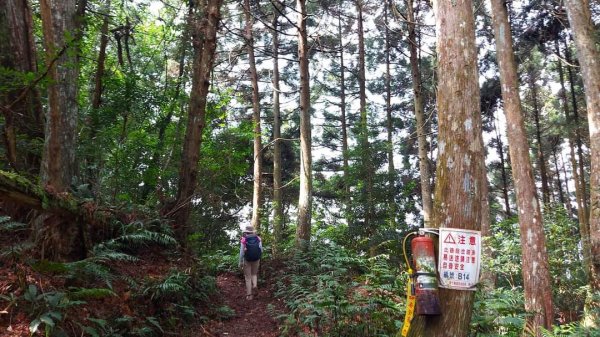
(252, 317)
(237, 316)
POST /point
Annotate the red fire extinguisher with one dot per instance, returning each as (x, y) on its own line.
(425, 276)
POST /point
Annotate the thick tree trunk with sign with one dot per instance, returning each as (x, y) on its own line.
(305, 198)
(205, 43)
(536, 276)
(257, 191)
(589, 58)
(460, 169)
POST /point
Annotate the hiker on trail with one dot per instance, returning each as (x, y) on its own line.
(250, 253)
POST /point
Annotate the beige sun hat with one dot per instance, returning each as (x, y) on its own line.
(249, 229)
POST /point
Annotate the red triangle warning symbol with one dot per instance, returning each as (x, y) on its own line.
(449, 239)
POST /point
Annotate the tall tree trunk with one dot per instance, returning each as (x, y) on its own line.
(561, 194)
(100, 67)
(205, 44)
(420, 117)
(58, 160)
(257, 191)
(62, 30)
(587, 52)
(305, 198)
(20, 106)
(366, 165)
(505, 187)
(536, 275)
(389, 126)
(538, 136)
(576, 125)
(277, 184)
(93, 121)
(345, 154)
(582, 215)
(460, 182)
(568, 193)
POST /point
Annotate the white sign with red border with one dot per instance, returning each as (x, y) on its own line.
(459, 258)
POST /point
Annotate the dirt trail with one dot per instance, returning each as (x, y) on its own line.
(252, 319)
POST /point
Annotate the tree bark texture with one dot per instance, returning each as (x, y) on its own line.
(305, 198)
(460, 169)
(424, 169)
(22, 114)
(58, 159)
(257, 190)
(208, 16)
(277, 183)
(589, 57)
(536, 275)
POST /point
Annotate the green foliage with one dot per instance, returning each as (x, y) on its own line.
(90, 293)
(569, 280)
(8, 225)
(122, 326)
(225, 312)
(47, 308)
(499, 312)
(505, 249)
(177, 294)
(221, 261)
(13, 229)
(331, 292)
(172, 287)
(573, 329)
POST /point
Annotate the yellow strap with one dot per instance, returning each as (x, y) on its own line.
(410, 305)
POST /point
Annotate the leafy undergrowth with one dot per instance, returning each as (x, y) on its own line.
(329, 291)
(138, 284)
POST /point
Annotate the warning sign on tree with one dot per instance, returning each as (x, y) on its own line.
(459, 259)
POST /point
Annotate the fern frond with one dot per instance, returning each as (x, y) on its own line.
(106, 255)
(90, 293)
(15, 251)
(89, 268)
(10, 226)
(175, 284)
(145, 237)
